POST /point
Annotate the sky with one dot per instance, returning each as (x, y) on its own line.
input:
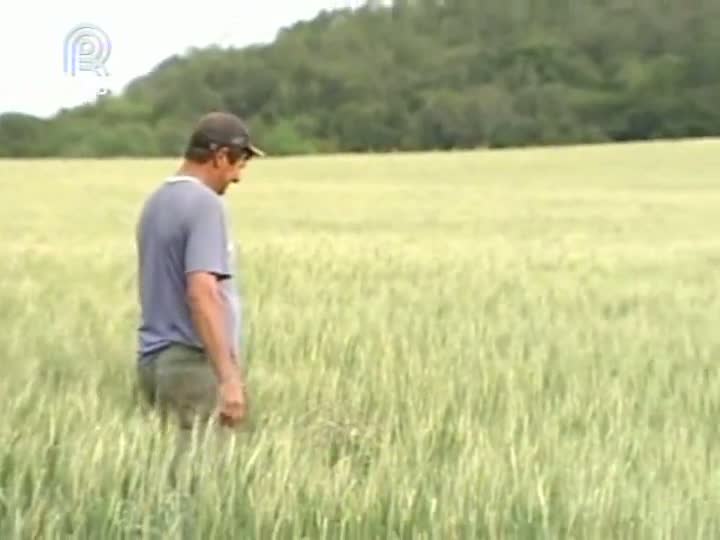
(141, 34)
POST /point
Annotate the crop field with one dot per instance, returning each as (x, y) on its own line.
(494, 344)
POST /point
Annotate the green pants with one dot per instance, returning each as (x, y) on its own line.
(180, 383)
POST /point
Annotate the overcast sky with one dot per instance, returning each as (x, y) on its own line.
(142, 33)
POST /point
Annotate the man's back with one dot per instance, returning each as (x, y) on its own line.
(182, 228)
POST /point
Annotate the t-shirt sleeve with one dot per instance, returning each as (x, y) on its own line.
(206, 247)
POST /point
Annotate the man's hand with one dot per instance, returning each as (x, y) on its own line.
(232, 406)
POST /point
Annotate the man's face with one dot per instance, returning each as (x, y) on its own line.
(228, 172)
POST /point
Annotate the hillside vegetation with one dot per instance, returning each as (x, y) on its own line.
(419, 75)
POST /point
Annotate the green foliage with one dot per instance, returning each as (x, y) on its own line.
(285, 137)
(422, 74)
(21, 135)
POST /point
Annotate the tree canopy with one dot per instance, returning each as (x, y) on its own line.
(421, 74)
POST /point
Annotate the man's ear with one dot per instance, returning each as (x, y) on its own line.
(223, 157)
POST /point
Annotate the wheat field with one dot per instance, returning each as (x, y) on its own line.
(493, 344)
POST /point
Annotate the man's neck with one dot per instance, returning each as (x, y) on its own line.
(187, 169)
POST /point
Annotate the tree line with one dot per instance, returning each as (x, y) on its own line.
(419, 75)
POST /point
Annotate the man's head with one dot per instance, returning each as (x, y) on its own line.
(218, 149)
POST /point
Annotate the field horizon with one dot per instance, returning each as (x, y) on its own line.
(514, 343)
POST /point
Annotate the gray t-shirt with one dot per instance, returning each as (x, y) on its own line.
(183, 227)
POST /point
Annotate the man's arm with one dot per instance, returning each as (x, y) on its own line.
(206, 261)
(206, 306)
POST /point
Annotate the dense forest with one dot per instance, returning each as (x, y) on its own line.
(422, 74)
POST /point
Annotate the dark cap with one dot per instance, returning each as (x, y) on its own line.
(219, 129)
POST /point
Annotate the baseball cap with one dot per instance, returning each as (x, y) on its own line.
(218, 129)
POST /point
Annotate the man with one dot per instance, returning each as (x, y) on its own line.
(189, 363)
